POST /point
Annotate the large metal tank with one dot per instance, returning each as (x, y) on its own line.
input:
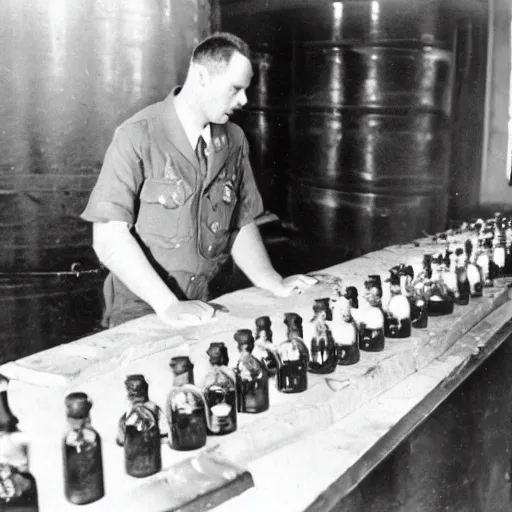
(70, 73)
(371, 137)
(370, 115)
(371, 142)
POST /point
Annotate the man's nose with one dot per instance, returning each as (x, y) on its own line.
(242, 98)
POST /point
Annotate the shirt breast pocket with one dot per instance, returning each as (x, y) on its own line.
(161, 210)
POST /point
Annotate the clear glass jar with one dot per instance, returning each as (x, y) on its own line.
(292, 376)
(219, 389)
(186, 408)
(251, 376)
(18, 489)
(139, 431)
(83, 464)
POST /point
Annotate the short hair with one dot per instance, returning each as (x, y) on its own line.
(215, 51)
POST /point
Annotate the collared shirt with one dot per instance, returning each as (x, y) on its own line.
(190, 130)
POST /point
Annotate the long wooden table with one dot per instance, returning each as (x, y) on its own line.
(308, 451)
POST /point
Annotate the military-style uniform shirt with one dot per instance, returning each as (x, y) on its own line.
(184, 222)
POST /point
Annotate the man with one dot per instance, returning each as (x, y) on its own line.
(167, 216)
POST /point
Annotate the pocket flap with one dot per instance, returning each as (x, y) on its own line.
(170, 194)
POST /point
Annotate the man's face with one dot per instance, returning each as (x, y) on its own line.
(224, 92)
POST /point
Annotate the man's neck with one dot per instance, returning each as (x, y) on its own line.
(188, 113)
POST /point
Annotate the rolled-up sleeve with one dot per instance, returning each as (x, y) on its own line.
(113, 198)
(251, 205)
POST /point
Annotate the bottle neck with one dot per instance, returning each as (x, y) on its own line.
(182, 379)
(78, 423)
(294, 332)
(138, 399)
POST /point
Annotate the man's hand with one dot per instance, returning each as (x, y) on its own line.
(187, 312)
(292, 285)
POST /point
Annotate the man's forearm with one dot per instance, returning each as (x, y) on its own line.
(118, 250)
(251, 256)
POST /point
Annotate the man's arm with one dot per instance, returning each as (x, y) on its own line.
(251, 256)
(118, 250)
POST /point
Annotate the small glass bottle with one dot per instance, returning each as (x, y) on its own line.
(186, 408)
(264, 349)
(461, 272)
(18, 490)
(139, 430)
(322, 349)
(508, 245)
(439, 300)
(83, 465)
(475, 273)
(499, 244)
(345, 334)
(220, 391)
(397, 318)
(251, 376)
(292, 376)
(371, 323)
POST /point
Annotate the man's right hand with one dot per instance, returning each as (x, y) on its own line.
(186, 312)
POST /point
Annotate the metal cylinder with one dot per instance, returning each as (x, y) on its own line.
(371, 136)
(71, 72)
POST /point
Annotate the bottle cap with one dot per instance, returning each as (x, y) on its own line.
(218, 353)
(244, 337)
(181, 364)
(78, 405)
(136, 385)
(292, 320)
(263, 322)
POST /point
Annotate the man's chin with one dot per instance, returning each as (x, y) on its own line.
(223, 119)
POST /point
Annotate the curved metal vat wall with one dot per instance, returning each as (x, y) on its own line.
(71, 72)
(370, 115)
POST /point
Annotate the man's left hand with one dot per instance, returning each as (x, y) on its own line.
(293, 285)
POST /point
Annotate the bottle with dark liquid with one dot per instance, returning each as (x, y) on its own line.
(499, 246)
(264, 349)
(371, 317)
(474, 272)
(484, 254)
(461, 272)
(220, 391)
(397, 317)
(345, 334)
(507, 226)
(186, 408)
(292, 375)
(251, 376)
(322, 349)
(439, 300)
(18, 490)
(83, 465)
(415, 291)
(139, 430)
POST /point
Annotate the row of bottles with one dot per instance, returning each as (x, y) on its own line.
(341, 326)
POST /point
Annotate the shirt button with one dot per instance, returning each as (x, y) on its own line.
(161, 199)
(210, 248)
(215, 226)
(193, 278)
(177, 246)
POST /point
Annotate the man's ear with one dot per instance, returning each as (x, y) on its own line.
(203, 75)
